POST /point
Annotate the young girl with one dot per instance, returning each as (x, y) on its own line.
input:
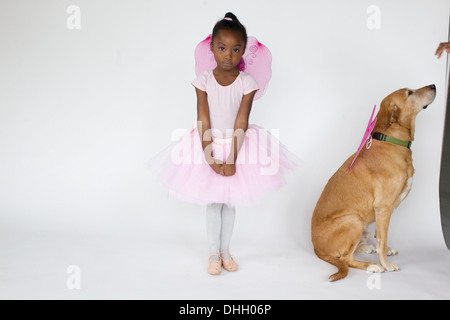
(224, 161)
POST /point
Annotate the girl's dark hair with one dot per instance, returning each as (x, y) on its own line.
(230, 22)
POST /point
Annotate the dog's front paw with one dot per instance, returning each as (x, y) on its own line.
(391, 252)
(365, 248)
(375, 268)
(390, 266)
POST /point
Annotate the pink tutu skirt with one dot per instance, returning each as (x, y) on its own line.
(261, 166)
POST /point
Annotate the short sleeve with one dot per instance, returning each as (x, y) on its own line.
(249, 84)
(201, 81)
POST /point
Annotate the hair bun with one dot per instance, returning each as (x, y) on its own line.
(231, 16)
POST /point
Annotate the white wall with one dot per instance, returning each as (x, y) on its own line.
(82, 110)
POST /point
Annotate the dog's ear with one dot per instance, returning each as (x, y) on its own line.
(388, 114)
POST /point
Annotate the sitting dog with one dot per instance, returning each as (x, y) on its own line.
(378, 181)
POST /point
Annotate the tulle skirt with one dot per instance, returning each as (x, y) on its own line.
(261, 167)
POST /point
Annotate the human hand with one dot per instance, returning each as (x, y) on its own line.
(228, 169)
(217, 166)
(442, 46)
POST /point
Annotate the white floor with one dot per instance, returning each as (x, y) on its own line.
(141, 258)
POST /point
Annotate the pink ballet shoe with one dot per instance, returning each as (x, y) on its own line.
(229, 264)
(215, 266)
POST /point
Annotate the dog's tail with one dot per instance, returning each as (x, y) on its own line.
(339, 263)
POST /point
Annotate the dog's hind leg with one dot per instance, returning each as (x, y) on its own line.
(339, 263)
(338, 242)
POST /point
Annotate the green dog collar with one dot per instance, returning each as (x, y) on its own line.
(383, 137)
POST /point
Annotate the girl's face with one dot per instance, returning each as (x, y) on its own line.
(228, 48)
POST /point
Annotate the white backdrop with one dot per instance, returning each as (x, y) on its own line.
(90, 90)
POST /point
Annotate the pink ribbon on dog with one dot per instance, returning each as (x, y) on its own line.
(367, 137)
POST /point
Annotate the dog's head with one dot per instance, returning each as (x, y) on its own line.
(398, 110)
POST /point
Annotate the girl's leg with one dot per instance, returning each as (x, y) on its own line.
(228, 215)
(213, 226)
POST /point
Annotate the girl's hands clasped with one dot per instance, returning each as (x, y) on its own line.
(216, 165)
(224, 169)
(228, 169)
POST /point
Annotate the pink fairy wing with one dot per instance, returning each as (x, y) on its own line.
(256, 61)
(369, 129)
(204, 58)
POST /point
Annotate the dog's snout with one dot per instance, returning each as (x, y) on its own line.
(431, 94)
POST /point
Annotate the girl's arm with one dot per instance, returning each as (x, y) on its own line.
(240, 127)
(204, 129)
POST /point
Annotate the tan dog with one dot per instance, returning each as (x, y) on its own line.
(378, 181)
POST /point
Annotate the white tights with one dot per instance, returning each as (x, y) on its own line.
(219, 228)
